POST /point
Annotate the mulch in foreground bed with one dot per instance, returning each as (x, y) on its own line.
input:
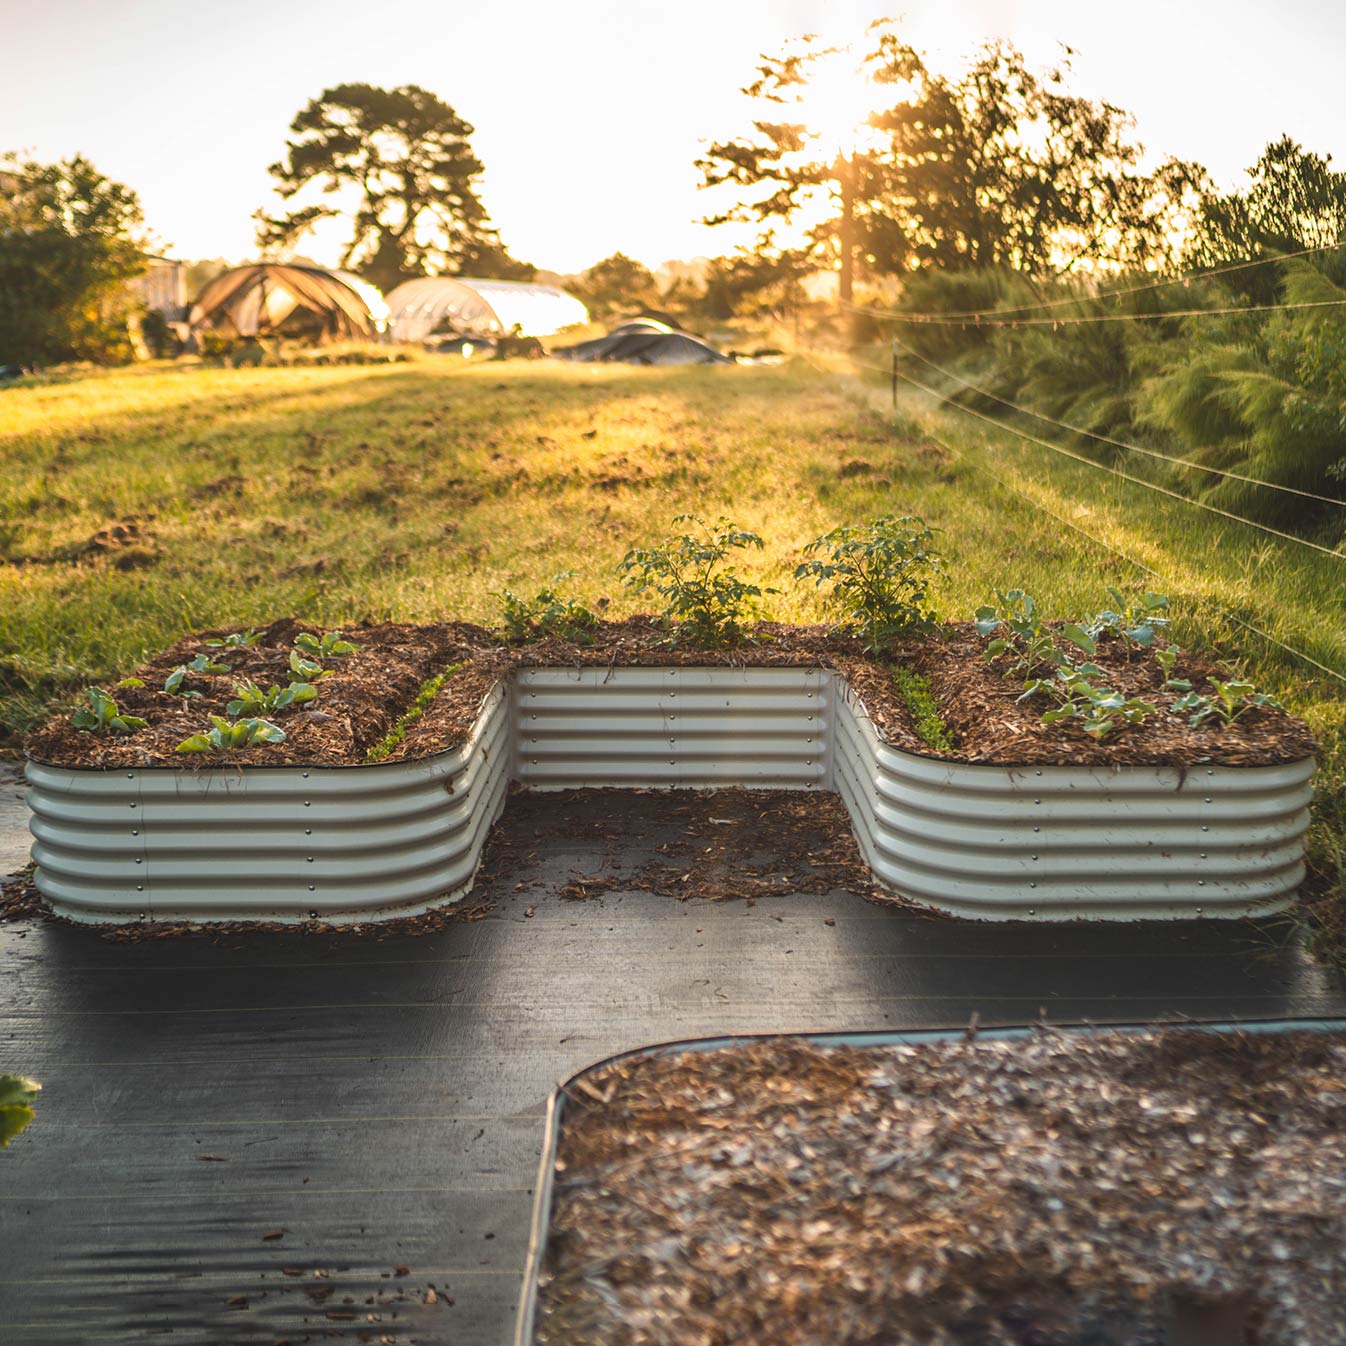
(1047, 1192)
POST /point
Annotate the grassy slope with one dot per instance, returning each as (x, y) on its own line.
(417, 491)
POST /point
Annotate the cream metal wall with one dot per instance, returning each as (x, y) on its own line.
(1029, 843)
(269, 843)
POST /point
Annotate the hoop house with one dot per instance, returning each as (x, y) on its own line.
(271, 299)
(420, 308)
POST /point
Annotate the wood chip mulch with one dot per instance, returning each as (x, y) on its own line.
(1052, 1191)
(367, 692)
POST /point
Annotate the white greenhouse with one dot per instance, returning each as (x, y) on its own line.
(484, 308)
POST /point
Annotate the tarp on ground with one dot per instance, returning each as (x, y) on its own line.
(283, 299)
(643, 344)
(466, 306)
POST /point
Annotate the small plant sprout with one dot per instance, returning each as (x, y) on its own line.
(705, 602)
(224, 736)
(880, 575)
(1023, 634)
(1232, 700)
(330, 646)
(101, 716)
(1166, 659)
(549, 614)
(306, 669)
(203, 663)
(249, 699)
(236, 640)
(1100, 710)
(1134, 623)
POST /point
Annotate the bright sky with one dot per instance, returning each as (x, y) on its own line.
(590, 113)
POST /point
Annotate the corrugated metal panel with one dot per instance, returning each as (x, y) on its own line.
(269, 843)
(1052, 843)
(1046, 843)
(680, 727)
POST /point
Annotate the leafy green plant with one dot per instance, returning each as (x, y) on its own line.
(705, 602)
(101, 716)
(919, 697)
(1023, 635)
(1232, 700)
(17, 1095)
(880, 575)
(224, 736)
(1134, 623)
(306, 669)
(249, 699)
(549, 614)
(386, 746)
(203, 663)
(236, 640)
(1100, 710)
(333, 645)
(1167, 659)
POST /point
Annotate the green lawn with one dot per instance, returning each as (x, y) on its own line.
(420, 490)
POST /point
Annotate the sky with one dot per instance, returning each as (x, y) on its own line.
(589, 114)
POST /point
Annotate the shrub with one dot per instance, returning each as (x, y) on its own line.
(705, 603)
(549, 614)
(880, 575)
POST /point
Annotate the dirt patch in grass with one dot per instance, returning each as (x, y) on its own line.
(1047, 1191)
(365, 693)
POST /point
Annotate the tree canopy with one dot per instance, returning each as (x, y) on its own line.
(399, 163)
(993, 166)
(616, 283)
(70, 239)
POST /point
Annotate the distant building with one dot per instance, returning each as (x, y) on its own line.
(162, 288)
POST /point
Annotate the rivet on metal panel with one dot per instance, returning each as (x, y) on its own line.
(135, 831)
(1203, 855)
(1037, 829)
(306, 803)
(130, 775)
(310, 859)
(306, 775)
(140, 887)
(1204, 828)
(1200, 911)
(1037, 773)
(1032, 884)
(1201, 883)
(308, 831)
(139, 860)
(1032, 911)
(1032, 857)
(1208, 799)
(1037, 801)
(133, 806)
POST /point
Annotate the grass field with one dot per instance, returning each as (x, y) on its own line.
(421, 490)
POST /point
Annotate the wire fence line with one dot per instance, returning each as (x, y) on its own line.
(1118, 443)
(944, 320)
(945, 400)
(1185, 279)
(1035, 504)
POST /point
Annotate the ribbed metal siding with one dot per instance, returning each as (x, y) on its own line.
(687, 727)
(269, 843)
(1052, 843)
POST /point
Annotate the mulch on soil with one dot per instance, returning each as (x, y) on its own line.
(1044, 1192)
(365, 693)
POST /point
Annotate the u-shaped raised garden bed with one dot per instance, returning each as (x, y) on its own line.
(128, 838)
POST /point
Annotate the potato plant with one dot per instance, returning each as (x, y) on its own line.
(705, 603)
(880, 575)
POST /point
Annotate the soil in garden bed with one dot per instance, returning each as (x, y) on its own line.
(1046, 1192)
(362, 697)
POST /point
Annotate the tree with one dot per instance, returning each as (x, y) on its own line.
(617, 282)
(994, 167)
(401, 161)
(70, 239)
(1003, 167)
(1295, 200)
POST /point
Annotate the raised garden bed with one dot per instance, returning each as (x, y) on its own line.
(1058, 1188)
(379, 797)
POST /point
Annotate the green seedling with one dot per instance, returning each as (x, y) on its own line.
(880, 573)
(1166, 659)
(102, 716)
(549, 614)
(1100, 710)
(1232, 700)
(1134, 623)
(1018, 631)
(225, 737)
(249, 699)
(330, 646)
(236, 640)
(306, 669)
